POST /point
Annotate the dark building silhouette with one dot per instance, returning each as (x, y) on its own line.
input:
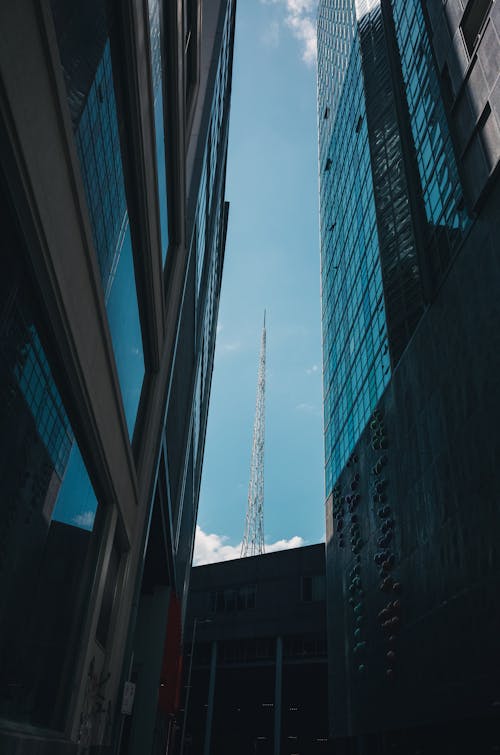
(409, 150)
(258, 681)
(113, 143)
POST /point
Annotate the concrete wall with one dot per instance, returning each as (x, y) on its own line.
(471, 83)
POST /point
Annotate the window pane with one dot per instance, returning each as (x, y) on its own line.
(473, 20)
(156, 67)
(82, 36)
(46, 525)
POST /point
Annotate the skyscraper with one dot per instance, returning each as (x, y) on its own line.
(113, 133)
(409, 145)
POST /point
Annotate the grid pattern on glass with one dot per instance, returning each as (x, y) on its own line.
(201, 223)
(208, 319)
(49, 507)
(211, 158)
(441, 187)
(99, 151)
(337, 27)
(207, 336)
(156, 70)
(98, 145)
(197, 413)
(209, 230)
(34, 379)
(356, 365)
(398, 248)
(219, 98)
(239, 598)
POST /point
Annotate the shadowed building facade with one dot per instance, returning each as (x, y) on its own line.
(409, 144)
(113, 132)
(258, 682)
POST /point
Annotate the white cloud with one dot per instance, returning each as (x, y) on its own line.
(220, 327)
(303, 27)
(312, 370)
(283, 545)
(209, 548)
(229, 346)
(271, 35)
(301, 6)
(305, 407)
(85, 520)
(310, 409)
(300, 17)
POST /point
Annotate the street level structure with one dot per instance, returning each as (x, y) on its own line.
(259, 673)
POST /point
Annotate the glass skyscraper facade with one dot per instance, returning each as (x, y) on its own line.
(356, 364)
(208, 199)
(412, 567)
(155, 39)
(211, 213)
(445, 211)
(207, 242)
(95, 124)
(392, 210)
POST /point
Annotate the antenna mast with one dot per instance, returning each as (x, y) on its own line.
(253, 539)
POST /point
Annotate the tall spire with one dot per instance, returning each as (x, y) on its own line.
(253, 539)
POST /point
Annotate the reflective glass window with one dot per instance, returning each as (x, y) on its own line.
(353, 338)
(47, 524)
(100, 158)
(206, 223)
(435, 157)
(85, 51)
(473, 20)
(156, 68)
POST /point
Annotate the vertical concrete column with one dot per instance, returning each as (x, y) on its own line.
(211, 695)
(149, 646)
(277, 695)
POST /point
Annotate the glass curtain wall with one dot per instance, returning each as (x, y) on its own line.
(211, 216)
(212, 161)
(155, 37)
(100, 159)
(356, 364)
(445, 210)
(395, 224)
(85, 50)
(49, 514)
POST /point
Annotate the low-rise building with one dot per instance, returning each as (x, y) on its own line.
(258, 682)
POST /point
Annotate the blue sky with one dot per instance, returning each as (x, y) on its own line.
(272, 262)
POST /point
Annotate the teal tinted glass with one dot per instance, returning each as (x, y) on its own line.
(440, 182)
(47, 526)
(100, 158)
(156, 68)
(356, 365)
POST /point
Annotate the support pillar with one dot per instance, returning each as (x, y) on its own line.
(211, 696)
(278, 695)
(149, 648)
